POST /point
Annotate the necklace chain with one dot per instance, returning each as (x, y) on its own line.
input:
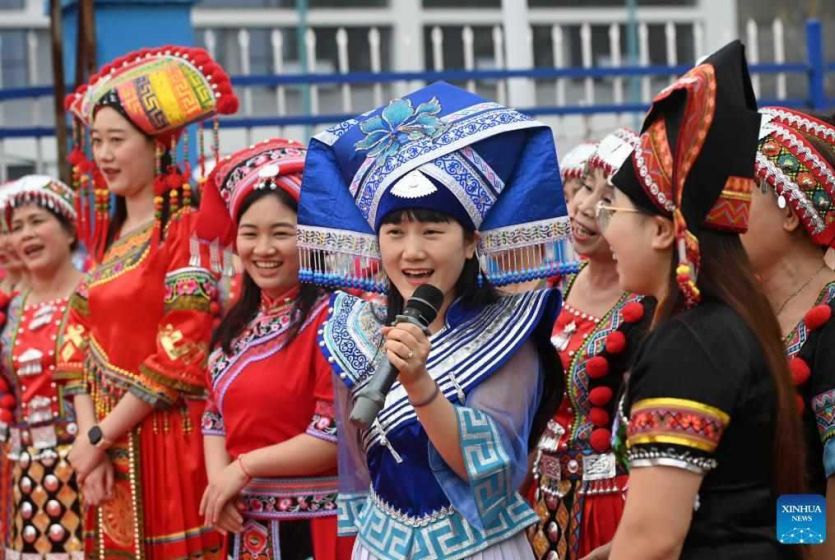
(800, 289)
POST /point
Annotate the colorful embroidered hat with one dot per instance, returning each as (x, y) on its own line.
(43, 191)
(789, 159)
(160, 91)
(276, 163)
(613, 150)
(695, 160)
(573, 164)
(439, 148)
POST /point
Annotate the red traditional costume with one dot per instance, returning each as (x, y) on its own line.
(41, 500)
(7, 404)
(141, 320)
(273, 384)
(579, 488)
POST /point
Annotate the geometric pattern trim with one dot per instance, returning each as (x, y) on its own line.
(487, 463)
(450, 536)
(730, 211)
(676, 421)
(823, 405)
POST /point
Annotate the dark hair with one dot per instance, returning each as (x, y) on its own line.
(726, 275)
(246, 308)
(472, 287)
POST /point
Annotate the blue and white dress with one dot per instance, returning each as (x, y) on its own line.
(397, 495)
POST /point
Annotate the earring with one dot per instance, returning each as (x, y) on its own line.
(781, 202)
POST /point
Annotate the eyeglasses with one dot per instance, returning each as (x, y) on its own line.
(603, 213)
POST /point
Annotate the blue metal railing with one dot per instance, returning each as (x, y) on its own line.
(815, 69)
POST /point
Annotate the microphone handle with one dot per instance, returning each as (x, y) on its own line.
(370, 401)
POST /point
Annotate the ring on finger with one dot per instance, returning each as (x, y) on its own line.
(410, 355)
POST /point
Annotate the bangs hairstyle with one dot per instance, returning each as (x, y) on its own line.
(472, 287)
(246, 308)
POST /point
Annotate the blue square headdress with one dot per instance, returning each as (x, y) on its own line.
(439, 148)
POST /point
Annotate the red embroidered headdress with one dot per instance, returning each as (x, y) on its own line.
(789, 159)
(160, 91)
(276, 163)
(695, 159)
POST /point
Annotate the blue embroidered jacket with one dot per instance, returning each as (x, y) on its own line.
(396, 492)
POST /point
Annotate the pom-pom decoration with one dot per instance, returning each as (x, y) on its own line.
(817, 317)
(600, 396)
(633, 312)
(800, 371)
(597, 367)
(615, 342)
(600, 440)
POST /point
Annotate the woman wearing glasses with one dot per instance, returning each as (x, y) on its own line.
(791, 244)
(579, 489)
(708, 420)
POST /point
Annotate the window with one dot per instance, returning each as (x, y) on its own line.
(13, 59)
(604, 3)
(290, 3)
(462, 3)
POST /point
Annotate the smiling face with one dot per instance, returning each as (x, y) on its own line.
(642, 245)
(125, 156)
(588, 240)
(415, 253)
(266, 244)
(42, 241)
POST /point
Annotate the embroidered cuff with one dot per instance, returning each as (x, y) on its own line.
(158, 400)
(190, 288)
(170, 384)
(679, 422)
(670, 456)
(323, 424)
(823, 406)
(212, 424)
(486, 461)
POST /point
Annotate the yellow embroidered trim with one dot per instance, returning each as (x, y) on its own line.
(686, 404)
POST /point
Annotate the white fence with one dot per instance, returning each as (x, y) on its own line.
(405, 37)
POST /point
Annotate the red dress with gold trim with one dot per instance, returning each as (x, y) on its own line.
(267, 390)
(7, 406)
(140, 323)
(44, 507)
(579, 488)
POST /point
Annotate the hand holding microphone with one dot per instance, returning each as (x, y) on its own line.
(406, 348)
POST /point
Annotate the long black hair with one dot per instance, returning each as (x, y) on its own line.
(726, 275)
(246, 308)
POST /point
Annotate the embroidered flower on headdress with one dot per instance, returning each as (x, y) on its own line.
(397, 124)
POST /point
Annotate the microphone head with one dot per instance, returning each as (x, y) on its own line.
(424, 304)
